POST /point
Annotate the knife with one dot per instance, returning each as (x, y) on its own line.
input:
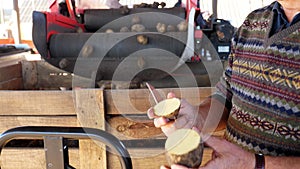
(154, 93)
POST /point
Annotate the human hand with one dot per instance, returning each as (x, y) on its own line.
(188, 117)
(226, 155)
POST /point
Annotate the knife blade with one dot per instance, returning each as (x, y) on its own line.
(154, 93)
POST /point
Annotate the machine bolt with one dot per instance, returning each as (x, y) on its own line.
(50, 165)
(63, 63)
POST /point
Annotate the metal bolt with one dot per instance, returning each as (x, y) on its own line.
(50, 165)
(63, 63)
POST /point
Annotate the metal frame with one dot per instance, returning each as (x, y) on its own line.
(56, 152)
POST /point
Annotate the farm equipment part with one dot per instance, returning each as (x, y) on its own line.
(56, 150)
(148, 42)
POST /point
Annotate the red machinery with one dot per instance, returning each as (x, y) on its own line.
(90, 43)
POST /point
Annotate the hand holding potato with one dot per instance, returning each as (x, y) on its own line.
(187, 117)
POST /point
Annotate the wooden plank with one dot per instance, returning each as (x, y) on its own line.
(50, 77)
(90, 113)
(129, 128)
(136, 127)
(29, 74)
(12, 84)
(12, 59)
(8, 122)
(36, 103)
(10, 72)
(20, 158)
(61, 102)
(139, 100)
(31, 158)
(149, 158)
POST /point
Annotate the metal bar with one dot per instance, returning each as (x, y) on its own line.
(53, 147)
(16, 17)
(215, 8)
(73, 133)
(70, 8)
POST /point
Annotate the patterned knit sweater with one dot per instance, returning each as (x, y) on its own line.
(262, 82)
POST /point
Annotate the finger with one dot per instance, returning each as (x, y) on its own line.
(175, 166)
(164, 167)
(150, 113)
(160, 121)
(181, 122)
(171, 95)
(169, 128)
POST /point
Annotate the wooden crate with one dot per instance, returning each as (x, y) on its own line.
(120, 112)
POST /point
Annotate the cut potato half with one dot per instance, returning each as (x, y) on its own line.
(167, 108)
(184, 147)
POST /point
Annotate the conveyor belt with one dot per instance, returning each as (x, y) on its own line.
(112, 49)
(95, 18)
(69, 45)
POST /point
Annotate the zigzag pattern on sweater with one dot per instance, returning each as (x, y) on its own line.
(285, 77)
(275, 103)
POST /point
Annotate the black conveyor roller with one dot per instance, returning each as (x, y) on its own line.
(95, 18)
(69, 45)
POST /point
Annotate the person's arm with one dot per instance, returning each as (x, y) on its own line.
(281, 162)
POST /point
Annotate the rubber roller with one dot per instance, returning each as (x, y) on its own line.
(95, 19)
(69, 45)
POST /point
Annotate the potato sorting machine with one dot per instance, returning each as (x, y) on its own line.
(146, 42)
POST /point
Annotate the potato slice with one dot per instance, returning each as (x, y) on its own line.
(184, 147)
(168, 108)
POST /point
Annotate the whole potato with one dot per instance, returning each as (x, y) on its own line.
(161, 27)
(138, 28)
(182, 26)
(171, 28)
(142, 39)
(124, 29)
(135, 20)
